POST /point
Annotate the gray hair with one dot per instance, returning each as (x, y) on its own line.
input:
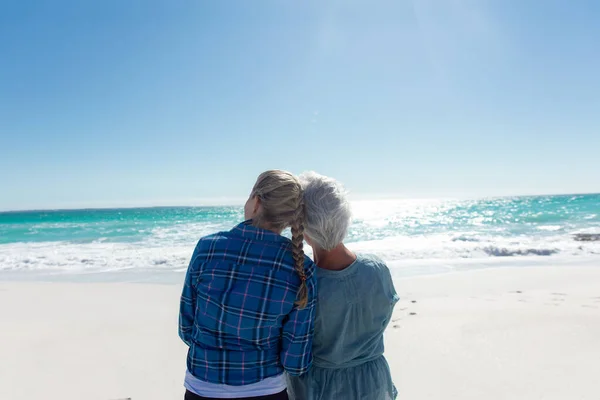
(327, 210)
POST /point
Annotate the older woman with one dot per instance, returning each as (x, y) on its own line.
(356, 298)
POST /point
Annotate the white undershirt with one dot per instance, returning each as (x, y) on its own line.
(271, 385)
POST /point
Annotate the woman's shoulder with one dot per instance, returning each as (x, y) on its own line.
(213, 242)
(378, 270)
(371, 261)
(205, 240)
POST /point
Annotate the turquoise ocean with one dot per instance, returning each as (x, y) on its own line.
(413, 236)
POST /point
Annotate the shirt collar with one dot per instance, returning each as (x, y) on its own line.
(249, 231)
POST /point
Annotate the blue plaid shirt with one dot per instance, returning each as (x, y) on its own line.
(237, 310)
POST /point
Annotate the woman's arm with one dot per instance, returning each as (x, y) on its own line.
(187, 305)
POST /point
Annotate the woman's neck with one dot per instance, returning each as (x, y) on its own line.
(336, 259)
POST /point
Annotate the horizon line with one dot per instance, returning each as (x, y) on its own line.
(235, 202)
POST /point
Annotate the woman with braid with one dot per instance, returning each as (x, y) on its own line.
(248, 301)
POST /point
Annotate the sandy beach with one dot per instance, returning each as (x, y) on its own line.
(504, 333)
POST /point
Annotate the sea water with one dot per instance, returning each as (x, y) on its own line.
(412, 236)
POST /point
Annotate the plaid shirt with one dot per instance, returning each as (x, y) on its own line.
(237, 310)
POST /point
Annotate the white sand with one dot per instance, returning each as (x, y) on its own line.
(472, 337)
(475, 337)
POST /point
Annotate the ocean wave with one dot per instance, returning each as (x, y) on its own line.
(549, 228)
(174, 248)
(465, 239)
(470, 246)
(91, 257)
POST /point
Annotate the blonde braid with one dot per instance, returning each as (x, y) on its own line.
(282, 205)
(297, 227)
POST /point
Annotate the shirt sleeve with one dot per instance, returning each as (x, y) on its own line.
(389, 291)
(393, 295)
(298, 330)
(187, 305)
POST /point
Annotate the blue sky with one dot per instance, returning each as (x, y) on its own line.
(155, 102)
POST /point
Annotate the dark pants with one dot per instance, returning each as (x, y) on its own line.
(278, 396)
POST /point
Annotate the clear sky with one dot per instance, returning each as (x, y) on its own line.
(144, 102)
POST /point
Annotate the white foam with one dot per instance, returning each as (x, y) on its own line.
(448, 247)
(170, 248)
(96, 257)
(549, 228)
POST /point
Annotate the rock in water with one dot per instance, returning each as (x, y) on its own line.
(587, 237)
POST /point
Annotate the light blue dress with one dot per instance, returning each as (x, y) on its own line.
(353, 309)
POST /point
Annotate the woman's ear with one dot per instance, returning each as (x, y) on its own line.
(251, 207)
(308, 240)
(257, 205)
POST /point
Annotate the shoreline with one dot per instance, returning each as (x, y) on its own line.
(400, 270)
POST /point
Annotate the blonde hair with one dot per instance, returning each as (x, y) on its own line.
(282, 205)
